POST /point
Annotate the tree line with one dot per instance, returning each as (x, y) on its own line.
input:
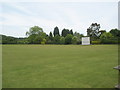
(36, 35)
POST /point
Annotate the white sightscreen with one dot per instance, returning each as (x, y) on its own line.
(85, 40)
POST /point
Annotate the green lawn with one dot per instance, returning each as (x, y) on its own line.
(59, 66)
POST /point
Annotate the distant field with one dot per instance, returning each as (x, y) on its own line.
(59, 66)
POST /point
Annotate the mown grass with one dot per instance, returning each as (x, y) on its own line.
(59, 66)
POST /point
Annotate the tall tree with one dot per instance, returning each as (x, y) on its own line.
(115, 32)
(34, 30)
(50, 36)
(65, 32)
(102, 31)
(56, 31)
(35, 35)
(93, 30)
(71, 32)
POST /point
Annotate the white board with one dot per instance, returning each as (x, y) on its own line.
(85, 40)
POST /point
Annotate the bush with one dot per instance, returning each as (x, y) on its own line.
(74, 40)
(43, 41)
(68, 39)
(62, 40)
(96, 42)
(57, 39)
(109, 41)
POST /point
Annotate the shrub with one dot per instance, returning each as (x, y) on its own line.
(96, 42)
(43, 41)
(74, 40)
(109, 41)
(68, 39)
(62, 40)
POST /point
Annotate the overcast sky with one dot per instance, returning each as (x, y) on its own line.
(17, 17)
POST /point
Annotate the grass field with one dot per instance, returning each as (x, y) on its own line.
(59, 66)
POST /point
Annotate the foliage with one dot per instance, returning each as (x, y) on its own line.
(36, 35)
(65, 32)
(93, 31)
(71, 32)
(96, 42)
(31, 38)
(8, 40)
(62, 40)
(79, 36)
(34, 30)
(106, 35)
(56, 31)
(43, 41)
(102, 31)
(38, 39)
(12, 40)
(50, 36)
(57, 39)
(74, 40)
(108, 38)
(110, 41)
(115, 32)
(68, 39)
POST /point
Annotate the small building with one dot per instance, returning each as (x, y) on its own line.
(85, 40)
